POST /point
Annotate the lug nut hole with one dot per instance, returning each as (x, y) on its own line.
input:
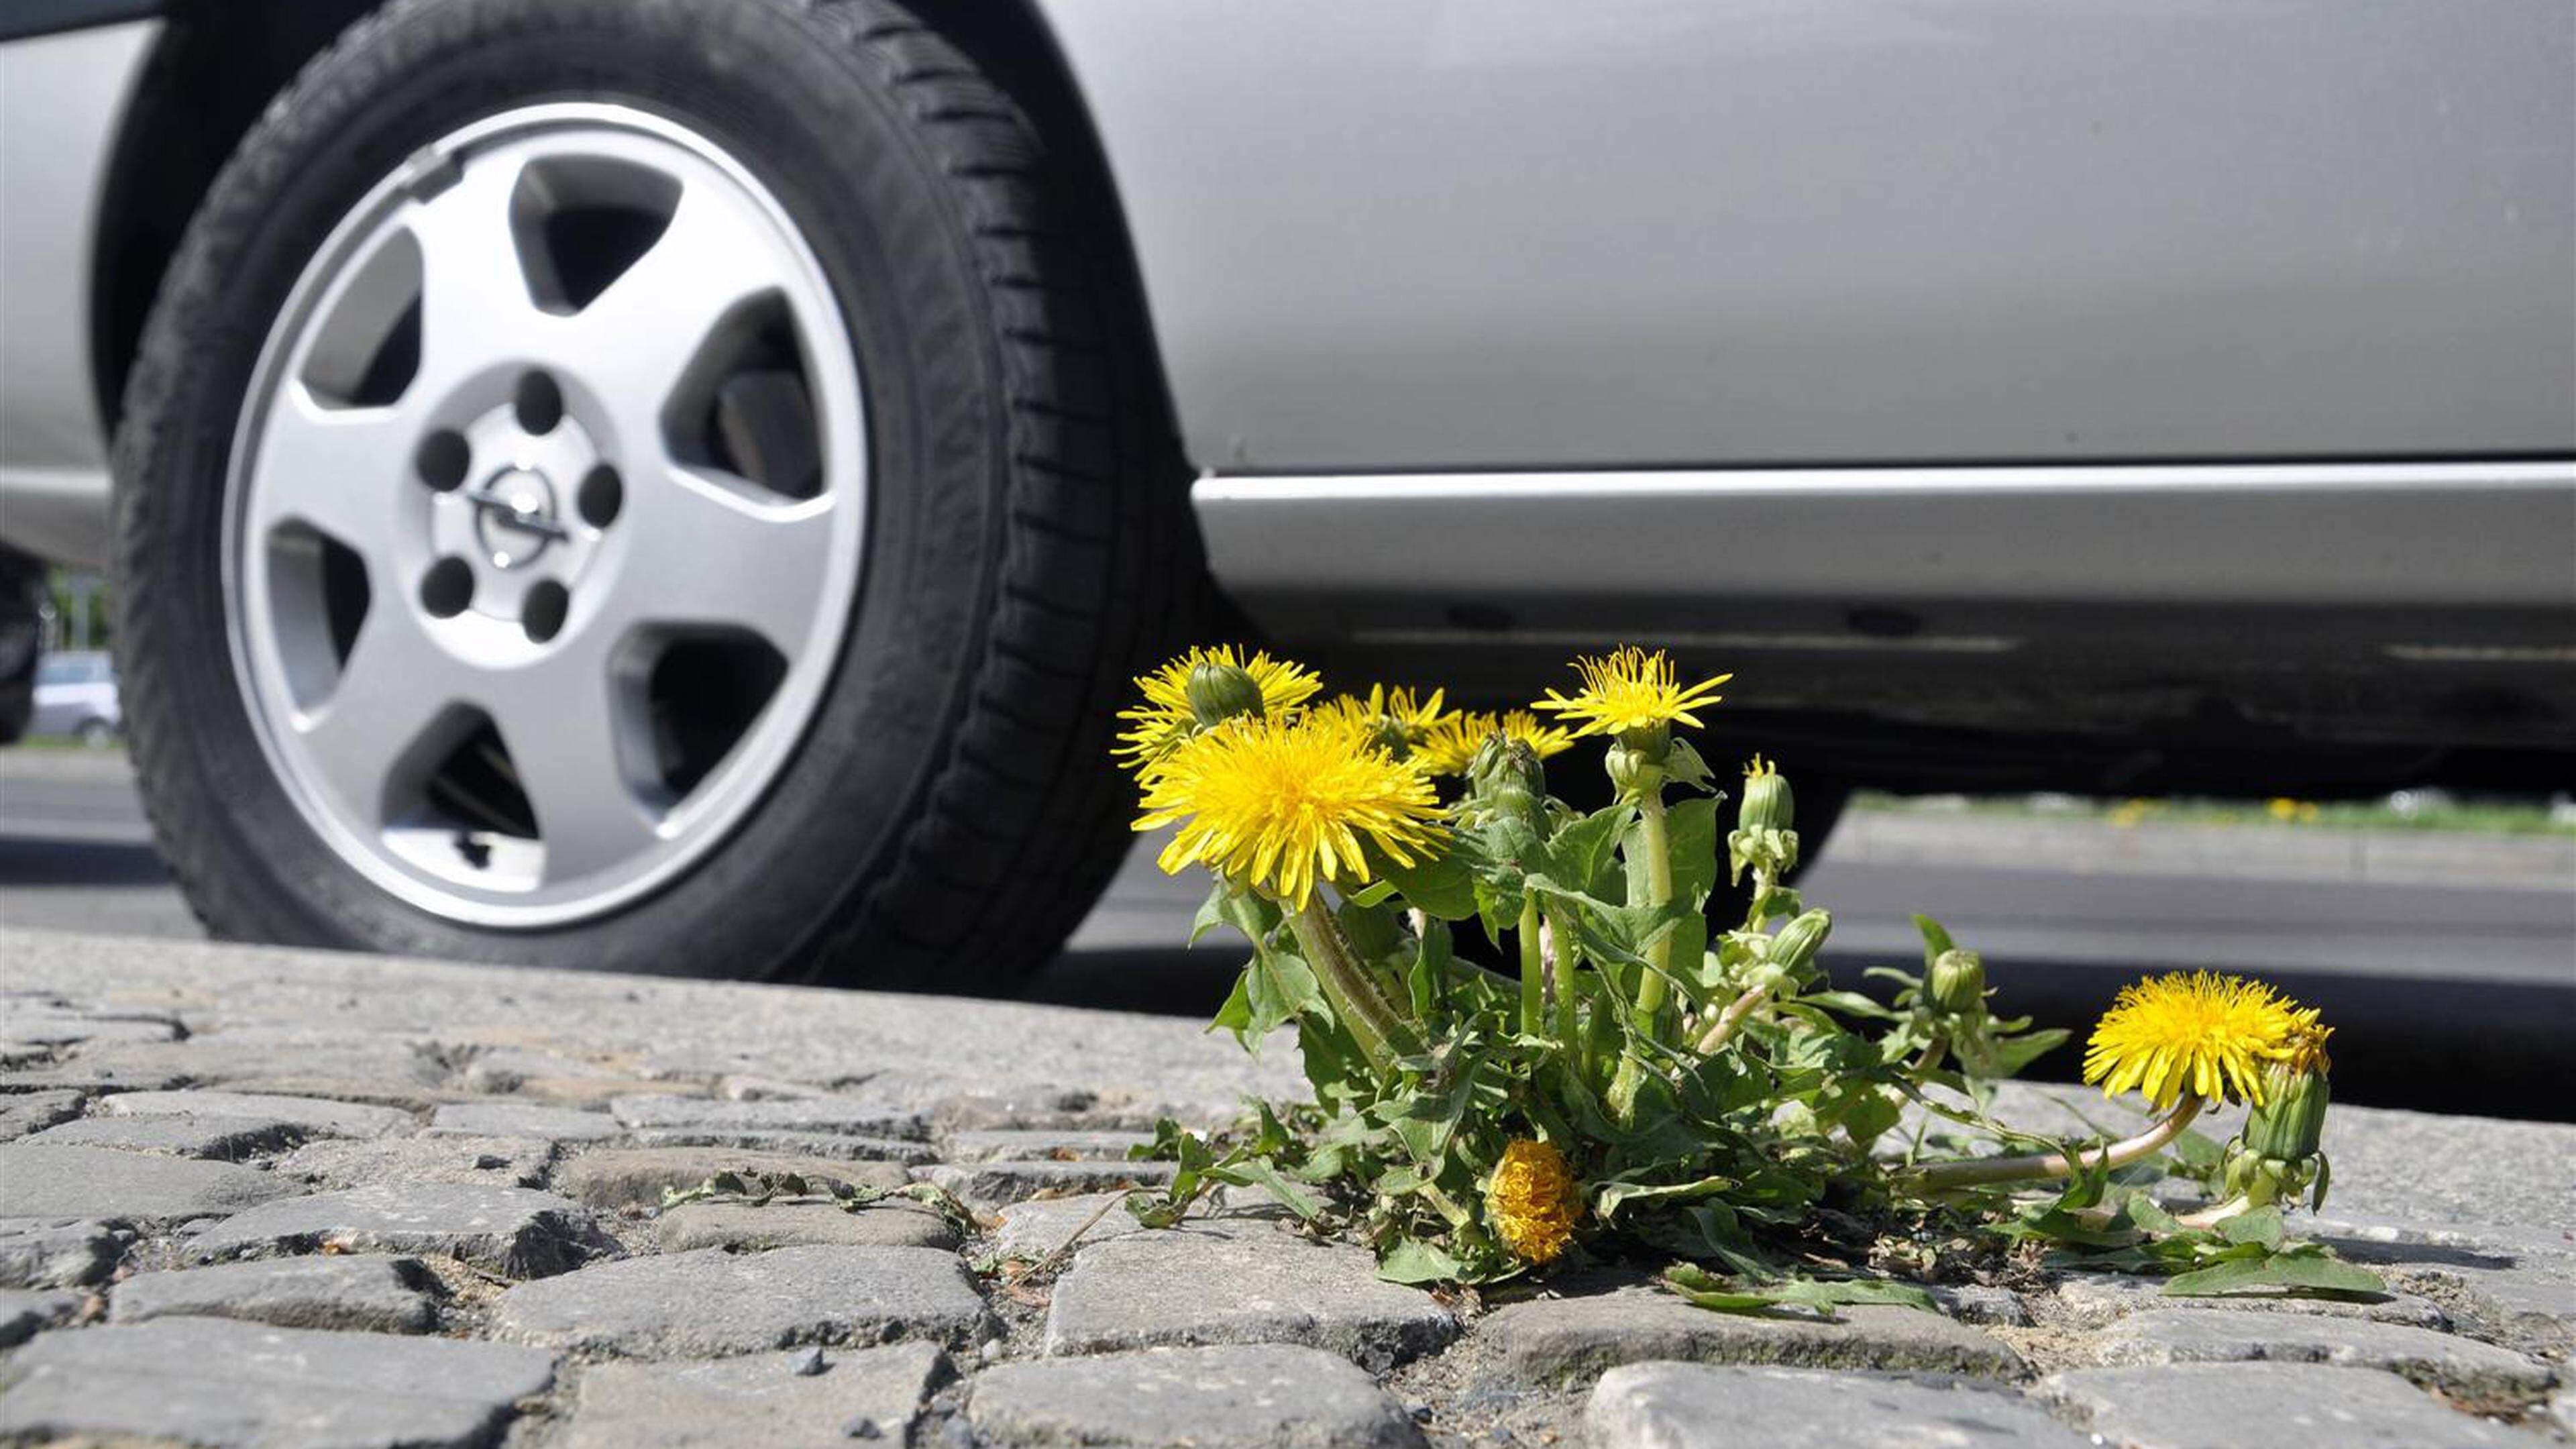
(448, 587)
(542, 614)
(539, 403)
(443, 459)
(602, 494)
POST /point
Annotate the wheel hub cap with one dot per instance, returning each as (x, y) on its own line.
(529, 608)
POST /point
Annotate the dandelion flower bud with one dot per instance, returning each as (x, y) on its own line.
(1506, 778)
(2291, 1119)
(1794, 949)
(1634, 772)
(1768, 803)
(1957, 981)
(1219, 690)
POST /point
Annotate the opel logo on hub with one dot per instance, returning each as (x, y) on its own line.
(514, 516)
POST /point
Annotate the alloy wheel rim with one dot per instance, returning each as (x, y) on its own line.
(545, 515)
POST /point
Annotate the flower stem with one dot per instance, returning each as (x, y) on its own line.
(1658, 846)
(1646, 1012)
(1976, 1171)
(1727, 1020)
(1381, 1034)
(2210, 1217)
(1533, 970)
(1569, 1021)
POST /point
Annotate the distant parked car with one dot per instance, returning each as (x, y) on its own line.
(76, 696)
(684, 486)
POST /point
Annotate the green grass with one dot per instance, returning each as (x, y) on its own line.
(2436, 813)
(66, 744)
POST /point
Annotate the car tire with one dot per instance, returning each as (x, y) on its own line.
(95, 734)
(22, 604)
(945, 811)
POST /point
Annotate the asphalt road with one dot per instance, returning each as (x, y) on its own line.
(2447, 963)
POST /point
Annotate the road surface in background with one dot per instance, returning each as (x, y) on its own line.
(2448, 962)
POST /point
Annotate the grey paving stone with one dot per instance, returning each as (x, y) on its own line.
(2266, 1406)
(504, 1069)
(802, 1396)
(710, 1302)
(989, 1185)
(56, 1253)
(386, 1060)
(103, 1183)
(2234, 1335)
(750, 1227)
(752, 1087)
(1237, 1281)
(619, 1177)
(1981, 1303)
(795, 1144)
(2095, 1299)
(1035, 1227)
(834, 1116)
(510, 1230)
(1041, 1225)
(25, 1312)
(375, 1293)
(1025, 1106)
(584, 1094)
(318, 1116)
(411, 1100)
(2484, 1240)
(1269, 1396)
(211, 1382)
(1559, 1341)
(2520, 1283)
(221, 1139)
(335, 1163)
(1708, 1406)
(520, 1119)
(2489, 1171)
(1040, 1145)
(25, 1112)
(56, 1026)
(86, 1074)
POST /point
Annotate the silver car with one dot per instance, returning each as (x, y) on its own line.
(684, 486)
(76, 698)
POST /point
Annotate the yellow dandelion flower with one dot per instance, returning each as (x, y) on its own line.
(1631, 690)
(2205, 1034)
(1283, 803)
(1399, 719)
(1453, 742)
(1532, 1201)
(1158, 725)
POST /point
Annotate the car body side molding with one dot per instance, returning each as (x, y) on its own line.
(1313, 552)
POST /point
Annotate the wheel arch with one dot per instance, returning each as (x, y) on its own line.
(218, 66)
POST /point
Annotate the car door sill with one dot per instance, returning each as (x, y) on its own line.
(2431, 535)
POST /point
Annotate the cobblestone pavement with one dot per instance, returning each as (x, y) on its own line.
(252, 1197)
